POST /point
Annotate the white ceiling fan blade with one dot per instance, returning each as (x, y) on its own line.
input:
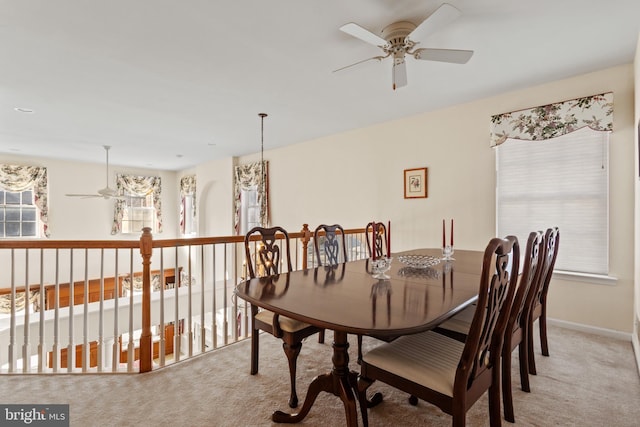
(363, 34)
(455, 56)
(439, 19)
(84, 196)
(399, 73)
(379, 58)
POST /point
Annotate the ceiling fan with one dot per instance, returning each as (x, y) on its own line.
(402, 38)
(106, 192)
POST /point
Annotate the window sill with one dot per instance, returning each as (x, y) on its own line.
(595, 279)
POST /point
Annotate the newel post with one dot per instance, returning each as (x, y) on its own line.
(146, 249)
(306, 238)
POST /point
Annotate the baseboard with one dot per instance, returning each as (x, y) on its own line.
(636, 350)
(624, 336)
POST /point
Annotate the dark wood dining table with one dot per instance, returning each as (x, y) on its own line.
(349, 300)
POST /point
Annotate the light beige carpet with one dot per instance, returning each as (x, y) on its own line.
(588, 381)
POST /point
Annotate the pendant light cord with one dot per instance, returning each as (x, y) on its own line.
(262, 172)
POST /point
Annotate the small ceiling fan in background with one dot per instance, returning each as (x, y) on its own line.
(105, 193)
(402, 38)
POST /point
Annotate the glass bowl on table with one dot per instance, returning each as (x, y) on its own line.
(419, 261)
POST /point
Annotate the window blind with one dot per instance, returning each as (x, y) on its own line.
(561, 182)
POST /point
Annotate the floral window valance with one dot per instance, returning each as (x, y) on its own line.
(550, 121)
(245, 177)
(187, 188)
(20, 178)
(137, 186)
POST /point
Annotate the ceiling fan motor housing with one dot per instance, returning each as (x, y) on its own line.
(396, 36)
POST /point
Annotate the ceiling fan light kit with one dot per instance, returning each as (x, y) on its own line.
(400, 39)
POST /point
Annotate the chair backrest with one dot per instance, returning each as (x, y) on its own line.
(481, 354)
(531, 273)
(552, 241)
(334, 238)
(380, 238)
(268, 254)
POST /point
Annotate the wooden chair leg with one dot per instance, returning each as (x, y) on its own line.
(530, 351)
(363, 385)
(255, 341)
(543, 331)
(292, 351)
(507, 397)
(495, 417)
(524, 365)
(321, 336)
(359, 349)
(458, 415)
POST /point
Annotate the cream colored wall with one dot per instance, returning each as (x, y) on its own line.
(91, 219)
(357, 176)
(214, 192)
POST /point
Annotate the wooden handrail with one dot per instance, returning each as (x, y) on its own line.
(146, 244)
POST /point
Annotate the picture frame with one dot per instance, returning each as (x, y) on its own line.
(415, 183)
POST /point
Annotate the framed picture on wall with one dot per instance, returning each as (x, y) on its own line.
(415, 183)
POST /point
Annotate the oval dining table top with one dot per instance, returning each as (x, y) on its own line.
(348, 298)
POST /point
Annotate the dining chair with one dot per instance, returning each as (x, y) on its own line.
(446, 372)
(539, 304)
(331, 251)
(267, 258)
(516, 330)
(380, 238)
(330, 245)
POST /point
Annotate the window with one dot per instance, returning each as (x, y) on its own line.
(251, 195)
(138, 213)
(188, 205)
(141, 206)
(18, 214)
(188, 215)
(250, 209)
(562, 182)
(24, 203)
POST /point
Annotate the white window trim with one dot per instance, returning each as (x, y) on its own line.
(594, 279)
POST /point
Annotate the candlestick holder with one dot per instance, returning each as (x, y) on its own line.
(447, 253)
(380, 266)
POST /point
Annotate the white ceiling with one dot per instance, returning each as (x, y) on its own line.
(171, 84)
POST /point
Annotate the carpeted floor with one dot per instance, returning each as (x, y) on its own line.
(588, 380)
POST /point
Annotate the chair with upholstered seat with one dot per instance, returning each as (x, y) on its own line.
(446, 372)
(380, 240)
(268, 257)
(539, 304)
(516, 330)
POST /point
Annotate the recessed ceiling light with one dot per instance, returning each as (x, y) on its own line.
(23, 110)
(179, 156)
(212, 144)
